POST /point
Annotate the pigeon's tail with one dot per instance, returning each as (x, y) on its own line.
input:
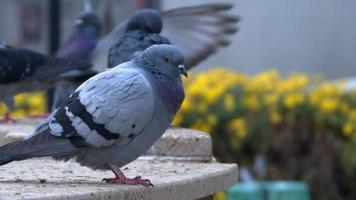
(39, 145)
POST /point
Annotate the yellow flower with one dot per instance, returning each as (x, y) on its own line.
(293, 99)
(252, 102)
(344, 107)
(328, 104)
(18, 114)
(2, 108)
(238, 125)
(178, 119)
(220, 196)
(271, 99)
(212, 119)
(229, 102)
(202, 126)
(352, 114)
(186, 105)
(202, 107)
(347, 128)
(275, 117)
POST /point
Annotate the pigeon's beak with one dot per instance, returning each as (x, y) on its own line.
(182, 70)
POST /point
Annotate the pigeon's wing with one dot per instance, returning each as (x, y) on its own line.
(111, 107)
(199, 30)
(99, 56)
(54, 68)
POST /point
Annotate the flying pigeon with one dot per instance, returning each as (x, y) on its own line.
(198, 31)
(113, 117)
(24, 70)
(78, 45)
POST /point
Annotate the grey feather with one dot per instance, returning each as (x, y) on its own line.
(40, 144)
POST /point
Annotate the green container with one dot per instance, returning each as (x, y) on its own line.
(246, 191)
(269, 190)
(287, 190)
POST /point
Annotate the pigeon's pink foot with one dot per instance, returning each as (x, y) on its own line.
(120, 178)
(7, 119)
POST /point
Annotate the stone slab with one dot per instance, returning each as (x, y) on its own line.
(45, 178)
(176, 143)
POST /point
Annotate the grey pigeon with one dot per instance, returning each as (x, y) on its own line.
(78, 45)
(24, 70)
(84, 36)
(113, 117)
(198, 31)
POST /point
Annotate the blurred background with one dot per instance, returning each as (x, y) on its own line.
(279, 100)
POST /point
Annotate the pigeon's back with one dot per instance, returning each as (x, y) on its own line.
(18, 64)
(131, 45)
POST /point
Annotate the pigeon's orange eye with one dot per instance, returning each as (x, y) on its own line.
(166, 59)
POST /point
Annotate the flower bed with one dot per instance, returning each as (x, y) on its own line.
(304, 127)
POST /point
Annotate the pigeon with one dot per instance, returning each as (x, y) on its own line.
(24, 70)
(113, 117)
(142, 30)
(79, 45)
(198, 31)
(84, 36)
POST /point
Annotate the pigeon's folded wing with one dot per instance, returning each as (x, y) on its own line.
(199, 30)
(106, 109)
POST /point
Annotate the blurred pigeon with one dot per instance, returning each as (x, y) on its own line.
(198, 30)
(84, 36)
(79, 45)
(142, 30)
(113, 117)
(24, 70)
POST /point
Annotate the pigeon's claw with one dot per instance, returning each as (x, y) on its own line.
(7, 118)
(120, 178)
(129, 181)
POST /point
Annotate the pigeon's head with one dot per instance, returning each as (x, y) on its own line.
(88, 21)
(148, 20)
(163, 61)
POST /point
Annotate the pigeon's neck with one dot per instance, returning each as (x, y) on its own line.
(170, 89)
(171, 92)
(77, 46)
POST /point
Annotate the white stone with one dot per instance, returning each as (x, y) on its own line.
(176, 143)
(172, 180)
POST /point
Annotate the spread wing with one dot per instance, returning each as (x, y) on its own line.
(113, 106)
(198, 30)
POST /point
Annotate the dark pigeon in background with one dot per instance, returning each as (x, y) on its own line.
(79, 45)
(198, 30)
(24, 70)
(143, 30)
